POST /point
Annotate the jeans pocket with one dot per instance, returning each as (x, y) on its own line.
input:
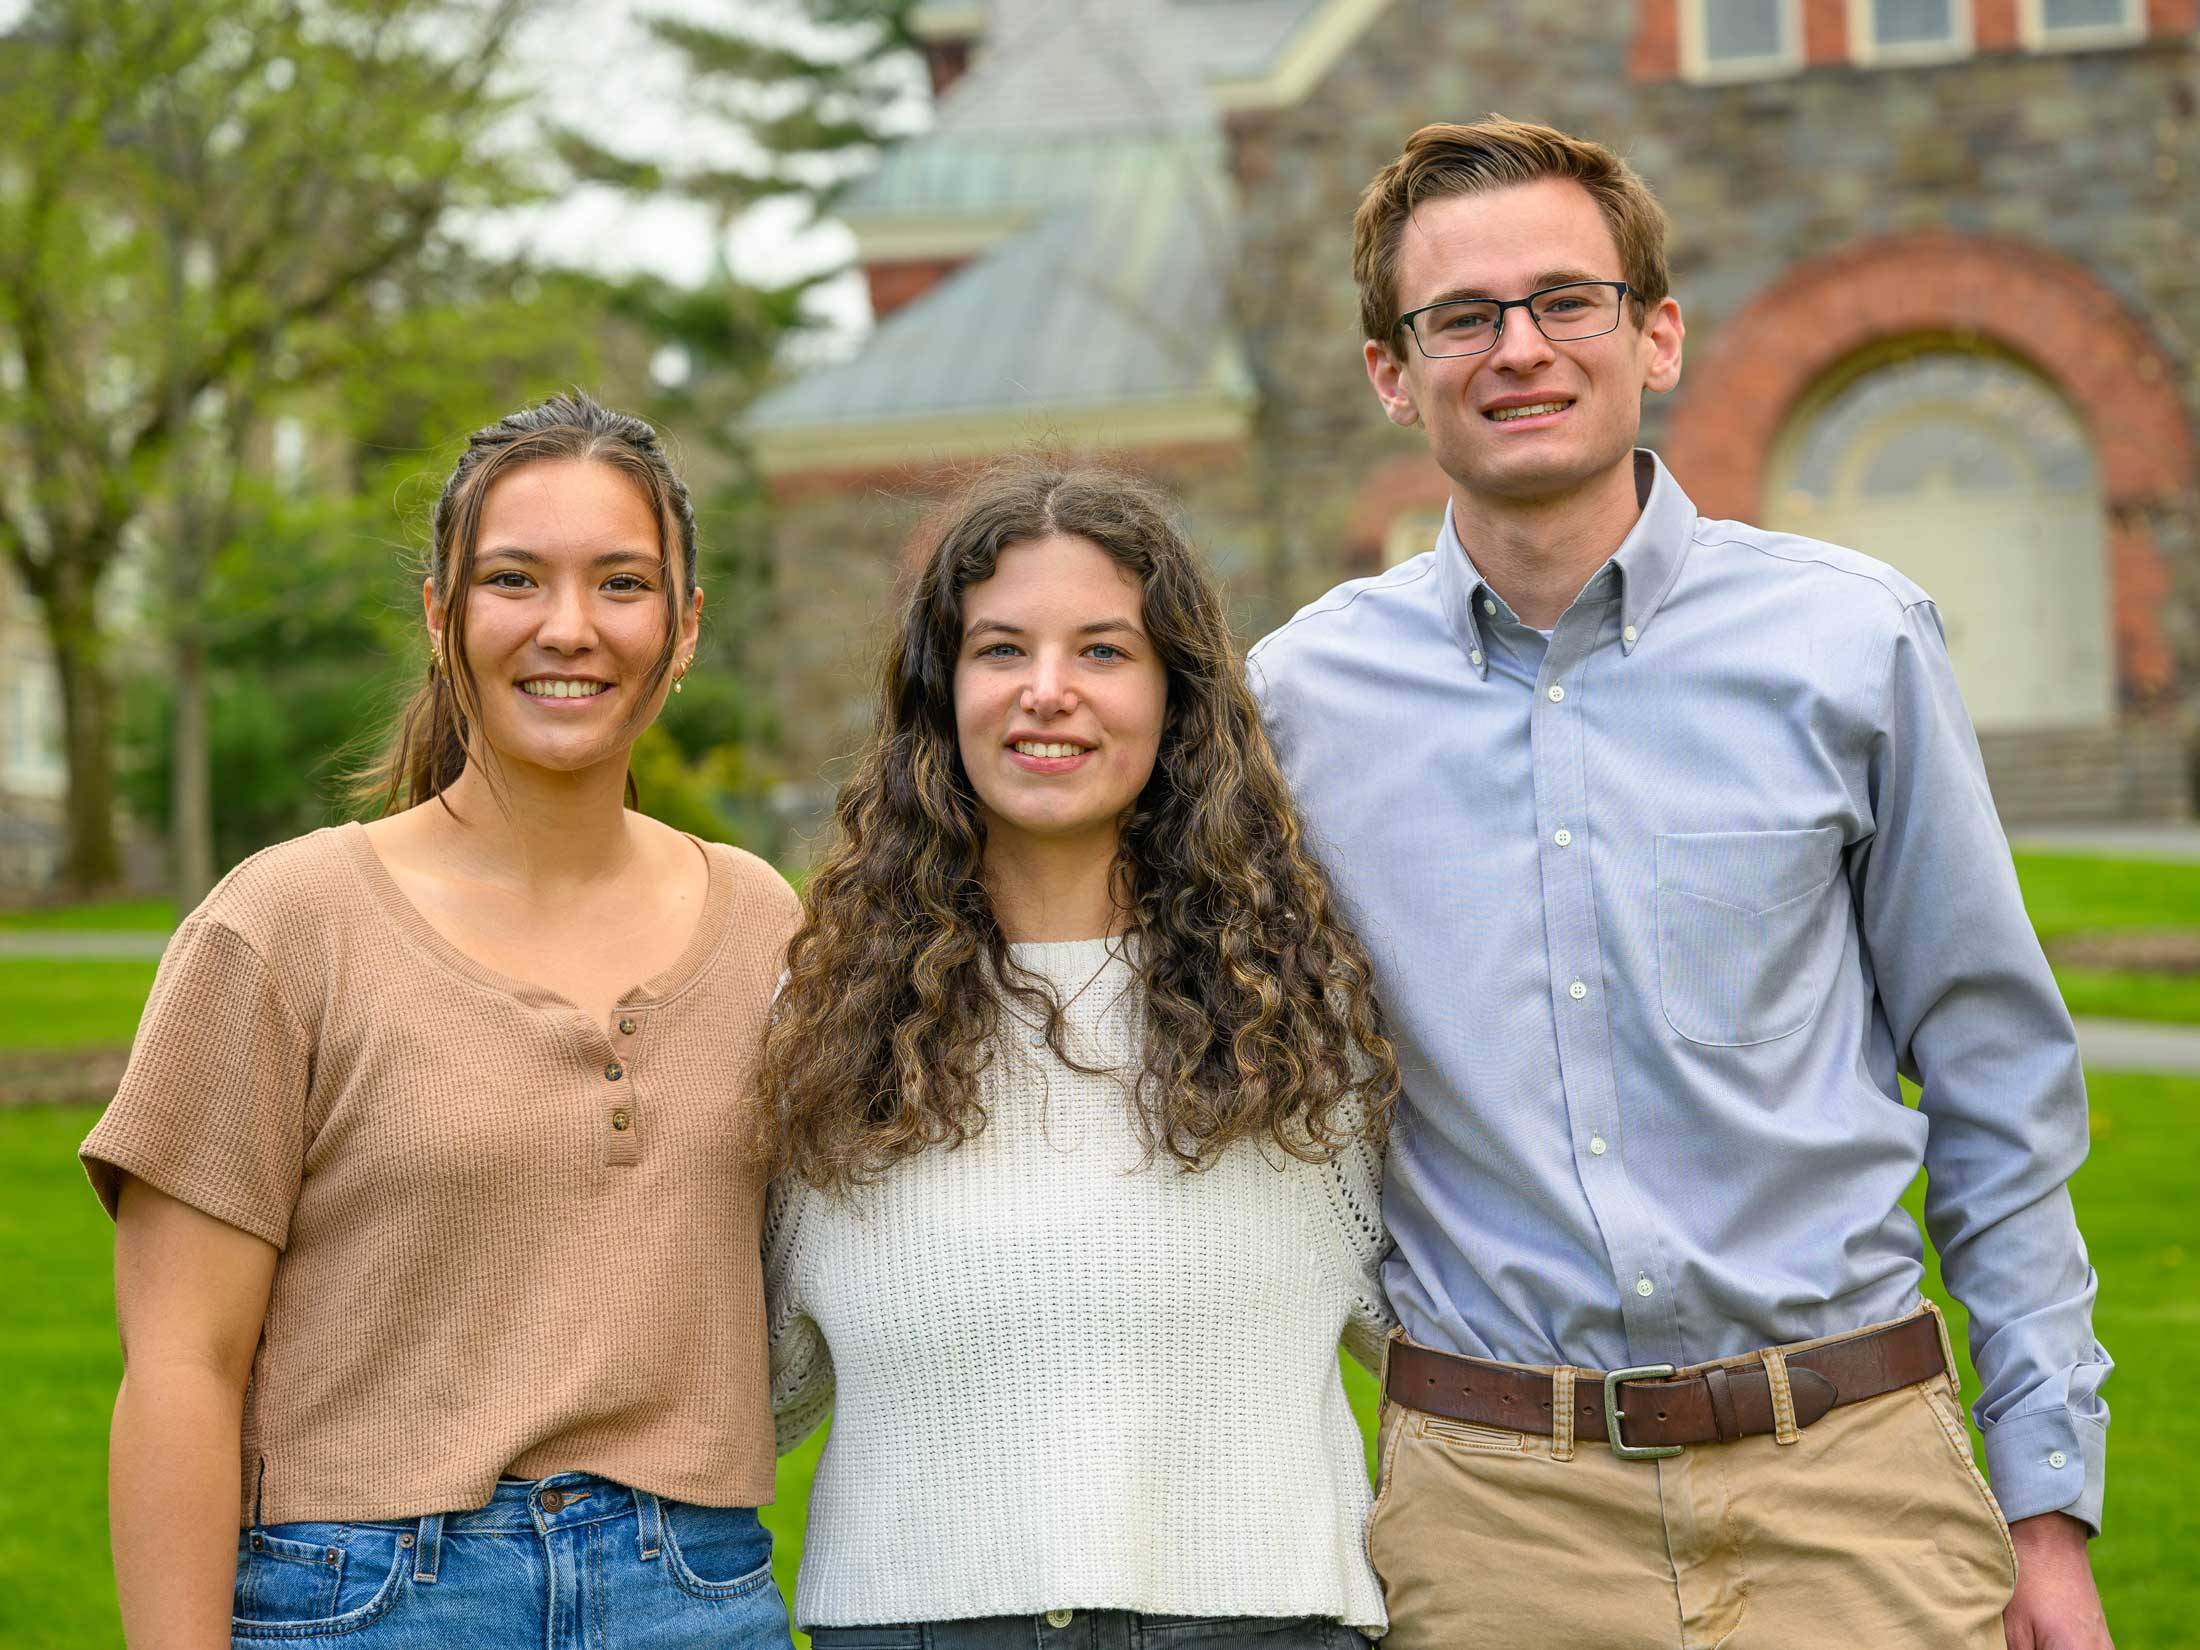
(1747, 936)
(717, 1552)
(309, 1580)
(1230, 1632)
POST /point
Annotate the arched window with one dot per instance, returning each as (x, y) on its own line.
(1971, 475)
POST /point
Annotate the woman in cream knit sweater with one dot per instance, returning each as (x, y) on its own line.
(1082, 1090)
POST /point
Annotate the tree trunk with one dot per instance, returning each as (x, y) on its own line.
(93, 862)
(190, 780)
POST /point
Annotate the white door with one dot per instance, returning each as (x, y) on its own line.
(1973, 477)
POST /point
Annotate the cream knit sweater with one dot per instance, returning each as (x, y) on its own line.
(1070, 1378)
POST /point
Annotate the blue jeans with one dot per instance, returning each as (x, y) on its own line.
(570, 1562)
(1099, 1630)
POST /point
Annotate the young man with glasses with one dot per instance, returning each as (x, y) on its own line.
(1673, 848)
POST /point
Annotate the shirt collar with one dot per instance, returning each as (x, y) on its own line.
(1647, 562)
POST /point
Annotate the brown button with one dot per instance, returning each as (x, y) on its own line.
(626, 1027)
(553, 1501)
(614, 1071)
(620, 1119)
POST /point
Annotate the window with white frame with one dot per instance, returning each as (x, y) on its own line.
(2054, 23)
(1894, 30)
(1723, 39)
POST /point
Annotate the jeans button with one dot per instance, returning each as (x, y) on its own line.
(553, 1501)
(1059, 1618)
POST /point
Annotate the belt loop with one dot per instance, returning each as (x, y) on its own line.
(1562, 1413)
(649, 1518)
(1947, 1349)
(428, 1549)
(1784, 1430)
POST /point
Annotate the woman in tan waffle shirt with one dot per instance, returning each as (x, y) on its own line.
(437, 1233)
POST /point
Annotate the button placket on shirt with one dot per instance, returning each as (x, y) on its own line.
(1575, 958)
(619, 1091)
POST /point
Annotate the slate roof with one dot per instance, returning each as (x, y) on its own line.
(1110, 299)
(1087, 124)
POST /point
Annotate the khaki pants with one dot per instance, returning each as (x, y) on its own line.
(1872, 1528)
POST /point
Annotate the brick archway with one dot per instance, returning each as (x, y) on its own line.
(2076, 334)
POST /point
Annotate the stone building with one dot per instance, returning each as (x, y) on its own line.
(1936, 257)
(32, 776)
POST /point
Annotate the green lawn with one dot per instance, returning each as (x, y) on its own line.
(71, 1002)
(2135, 1198)
(2073, 894)
(106, 915)
(2122, 994)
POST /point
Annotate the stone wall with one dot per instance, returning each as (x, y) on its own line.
(2081, 168)
(2090, 157)
(845, 544)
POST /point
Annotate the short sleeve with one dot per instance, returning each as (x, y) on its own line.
(212, 1106)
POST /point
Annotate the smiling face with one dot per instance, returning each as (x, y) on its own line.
(1529, 421)
(1059, 694)
(565, 615)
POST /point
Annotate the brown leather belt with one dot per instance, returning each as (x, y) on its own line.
(1715, 1403)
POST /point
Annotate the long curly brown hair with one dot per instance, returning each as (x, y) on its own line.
(1261, 1022)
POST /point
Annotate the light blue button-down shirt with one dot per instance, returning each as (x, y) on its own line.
(1659, 908)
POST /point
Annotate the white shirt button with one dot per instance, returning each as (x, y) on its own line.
(1628, 634)
(2056, 1458)
(1475, 658)
(1488, 606)
(1597, 1147)
(1060, 1618)
(1645, 1288)
(1577, 991)
(1557, 693)
(1563, 837)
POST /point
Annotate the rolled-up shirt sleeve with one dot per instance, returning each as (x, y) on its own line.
(1977, 1021)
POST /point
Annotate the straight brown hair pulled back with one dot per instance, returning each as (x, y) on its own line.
(1497, 153)
(1261, 1023)
(427, 747)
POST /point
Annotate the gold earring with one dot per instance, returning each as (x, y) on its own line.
(435, 656)
(680, 676)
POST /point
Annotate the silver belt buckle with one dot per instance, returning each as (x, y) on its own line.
(1613, 1414)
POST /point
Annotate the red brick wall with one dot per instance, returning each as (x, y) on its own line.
(897, 281)
(1655, 51)
(2074, 332)
(1825, 31)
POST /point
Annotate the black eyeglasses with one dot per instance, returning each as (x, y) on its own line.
(1564, 314)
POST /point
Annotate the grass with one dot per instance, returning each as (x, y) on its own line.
(56, 1318)
(2073, 893)
(2122, 994)
(71, 1002)
(2076, 894)
(143, 915)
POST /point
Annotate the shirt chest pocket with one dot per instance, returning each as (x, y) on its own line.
(1750, 926)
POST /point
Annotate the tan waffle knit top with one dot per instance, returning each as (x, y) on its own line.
(513, 1241)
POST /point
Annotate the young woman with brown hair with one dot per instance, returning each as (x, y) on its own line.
(437, 1171)
(1081, 1090)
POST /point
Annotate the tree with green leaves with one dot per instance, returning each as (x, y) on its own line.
(802, 95)
(208, 209)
